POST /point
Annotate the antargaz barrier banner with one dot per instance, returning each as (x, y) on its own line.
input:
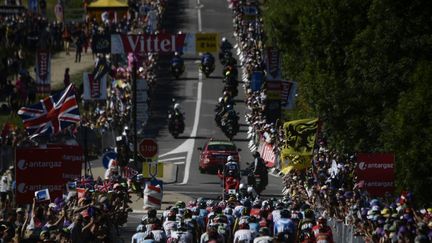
(46, 168)
(376, 170)
(300, 138)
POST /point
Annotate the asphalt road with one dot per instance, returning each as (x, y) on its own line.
(182, 15)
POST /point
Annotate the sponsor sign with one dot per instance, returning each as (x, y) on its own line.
(273, 63)
(206, 42)
(43, 72)
(377, 172)
(46, 168)
(162, 43)
(94, 89)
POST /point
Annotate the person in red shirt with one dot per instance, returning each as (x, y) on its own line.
(323, 233)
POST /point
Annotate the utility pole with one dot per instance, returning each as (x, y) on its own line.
(134, 111)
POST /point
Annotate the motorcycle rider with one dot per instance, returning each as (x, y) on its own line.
(231, 168)
(175, 115)
(260, 168)
(225, 45)
(207, 59)
(177, 61)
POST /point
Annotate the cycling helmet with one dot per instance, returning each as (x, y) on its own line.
(242, 186)
(176, 54)
(224, 39)
(228, 211)
(250, 189)
(176, 106)
(180, 204)
(220, 99)
(230, 158)
(141, 228)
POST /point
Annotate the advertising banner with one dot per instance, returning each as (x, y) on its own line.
(43, 72)
(162, 43)
(46, 168)
(190, 43)
(377, 171)
(94, 89)
(273, 63)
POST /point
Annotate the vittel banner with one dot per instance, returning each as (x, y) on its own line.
(46, 168)
(161, 43)
(376, 170)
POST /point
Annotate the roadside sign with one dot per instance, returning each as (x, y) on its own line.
(106, 157)
(206, 42)
(148, 148)
(153, 169)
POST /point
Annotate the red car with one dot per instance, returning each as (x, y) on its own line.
(214, 154)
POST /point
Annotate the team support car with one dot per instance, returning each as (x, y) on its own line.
(214, 154)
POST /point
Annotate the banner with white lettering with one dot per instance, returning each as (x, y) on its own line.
(162, 43)
(61, 164)
(43, 72)
(94, 89)
(376, 172)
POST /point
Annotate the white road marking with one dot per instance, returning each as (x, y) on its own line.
(172, 159)
(199, 6)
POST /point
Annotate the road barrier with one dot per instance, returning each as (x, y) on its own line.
(343, 232)
(152, 197)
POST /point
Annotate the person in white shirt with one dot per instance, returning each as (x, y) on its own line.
(264, 236)
(243, 235)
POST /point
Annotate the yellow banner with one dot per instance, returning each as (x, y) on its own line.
(207, 42)
(299, 144)
(300, 136)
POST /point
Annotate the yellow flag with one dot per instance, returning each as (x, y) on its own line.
(299, 144)
(300, 136)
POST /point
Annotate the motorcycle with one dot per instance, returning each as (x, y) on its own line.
(177, 69)
(207, 68)
(176, 125)
(230, 184)
(253, 180)
(229, 128)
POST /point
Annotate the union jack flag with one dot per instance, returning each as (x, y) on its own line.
(52, 114)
